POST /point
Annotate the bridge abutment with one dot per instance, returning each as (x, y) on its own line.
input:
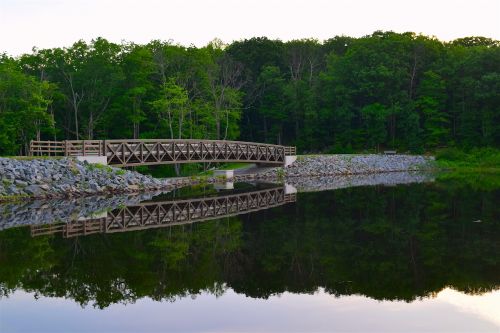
(290, 159)
(93, 159)
(226, 174)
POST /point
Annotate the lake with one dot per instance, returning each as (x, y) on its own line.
(415, 257)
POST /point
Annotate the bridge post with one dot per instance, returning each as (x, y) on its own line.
(290, 155)
(290, 189)
(91, 155)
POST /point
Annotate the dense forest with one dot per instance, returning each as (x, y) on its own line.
(386, 90)
(397, 243)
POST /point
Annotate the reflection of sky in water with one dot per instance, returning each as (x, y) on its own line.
(448, 311)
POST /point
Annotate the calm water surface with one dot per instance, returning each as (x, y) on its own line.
(416, 257)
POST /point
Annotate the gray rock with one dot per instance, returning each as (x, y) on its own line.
(133, 188)
(20, 182)
(34, 190)
(94, 187)
(12, 190)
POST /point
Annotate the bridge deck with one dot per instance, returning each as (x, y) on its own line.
(163, 151)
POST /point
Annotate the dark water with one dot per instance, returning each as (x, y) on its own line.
(418, 257)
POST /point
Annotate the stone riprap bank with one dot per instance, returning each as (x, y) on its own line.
(331, 165)
(46, 178)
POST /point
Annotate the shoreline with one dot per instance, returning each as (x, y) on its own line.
(38, 212)
(67, 178)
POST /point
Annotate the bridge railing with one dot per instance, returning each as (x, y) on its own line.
(47, 148)
(290, 151)
(164, 151)
(84, 148)
(67, 148)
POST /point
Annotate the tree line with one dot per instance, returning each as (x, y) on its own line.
(386, 90)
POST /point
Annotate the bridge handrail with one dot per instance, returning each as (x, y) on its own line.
(98, 147)
(84, 147)
(50, 148)
(194, 141)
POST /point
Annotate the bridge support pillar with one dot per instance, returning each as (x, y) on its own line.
(290, 159)
(224, 186)
(93, 159)
(227, 174)
(290, 189)
(102, 215)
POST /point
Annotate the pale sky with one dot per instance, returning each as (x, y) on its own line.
(57, 23)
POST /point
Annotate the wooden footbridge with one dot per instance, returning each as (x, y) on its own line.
(161, 151)
(169, 213)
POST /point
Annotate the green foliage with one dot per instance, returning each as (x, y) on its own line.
(232, 166)
(99, 166)
(13, 198)
(29, 158)
(280, 173)
(485, 159)
(374, 116)
(385, 90)
(171, 107)
(431, 103)
(24, 103)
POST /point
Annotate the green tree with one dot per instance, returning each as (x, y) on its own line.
(23, 108)
(171, 108)
(374, 118)
(431, 102)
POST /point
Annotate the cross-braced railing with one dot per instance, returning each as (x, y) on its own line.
(161, 151)
(169, 213)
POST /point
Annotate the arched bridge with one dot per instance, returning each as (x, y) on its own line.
(164, 151)
(169, 213)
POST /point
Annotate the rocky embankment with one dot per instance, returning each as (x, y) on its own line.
(55, 178)
(332, 165)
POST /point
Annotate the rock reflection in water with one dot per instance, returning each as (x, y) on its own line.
(314, 184)
(63, 210)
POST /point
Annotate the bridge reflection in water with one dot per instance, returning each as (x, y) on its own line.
(169, 213)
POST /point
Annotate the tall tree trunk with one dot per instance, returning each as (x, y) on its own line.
(90, 131)
(76, 122)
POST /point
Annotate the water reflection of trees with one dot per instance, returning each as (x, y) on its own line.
(386, 243)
